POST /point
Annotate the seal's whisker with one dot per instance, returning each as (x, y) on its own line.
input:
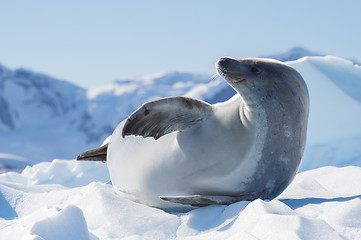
(214, 77)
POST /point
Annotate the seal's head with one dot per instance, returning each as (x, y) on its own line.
(258, 80)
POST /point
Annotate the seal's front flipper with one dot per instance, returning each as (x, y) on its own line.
(160, 117)
(205, 200)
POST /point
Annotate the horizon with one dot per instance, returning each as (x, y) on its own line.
(91, 44)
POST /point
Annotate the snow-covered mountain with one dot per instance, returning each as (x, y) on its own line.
(293, 54)
(296, 53)
(43, 118)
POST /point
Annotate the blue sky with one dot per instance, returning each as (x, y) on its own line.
(91, 43)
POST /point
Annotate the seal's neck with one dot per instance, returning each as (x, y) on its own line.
(249, 109)
(242, 111)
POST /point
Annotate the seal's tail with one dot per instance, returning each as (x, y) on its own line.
(98, 154)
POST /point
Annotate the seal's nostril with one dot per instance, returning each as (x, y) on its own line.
(225, 61)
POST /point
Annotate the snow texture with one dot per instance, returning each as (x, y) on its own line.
(71, 200)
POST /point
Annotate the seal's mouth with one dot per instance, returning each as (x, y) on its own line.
(232, 78)
(225, 67)
(236, 79)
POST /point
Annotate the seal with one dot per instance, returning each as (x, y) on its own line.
(178, 152)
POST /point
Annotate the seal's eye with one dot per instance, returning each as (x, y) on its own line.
(255, 70)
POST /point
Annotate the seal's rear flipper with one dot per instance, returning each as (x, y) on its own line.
(205, 200)
(160, 117)
(98, 154)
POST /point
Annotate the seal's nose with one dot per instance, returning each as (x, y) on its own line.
(226, 62)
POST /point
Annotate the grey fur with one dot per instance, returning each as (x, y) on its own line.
(160, 117)
(98, 154)
(281, 91)
(205, 200)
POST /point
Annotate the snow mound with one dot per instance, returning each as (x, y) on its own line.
(322, 203)
(68, 223)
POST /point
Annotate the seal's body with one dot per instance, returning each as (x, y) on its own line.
(249, 147)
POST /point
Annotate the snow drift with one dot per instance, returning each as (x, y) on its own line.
(71, 200)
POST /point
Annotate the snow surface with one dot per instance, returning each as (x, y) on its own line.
(71, 200)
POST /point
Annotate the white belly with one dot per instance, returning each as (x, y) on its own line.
(214, 158)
